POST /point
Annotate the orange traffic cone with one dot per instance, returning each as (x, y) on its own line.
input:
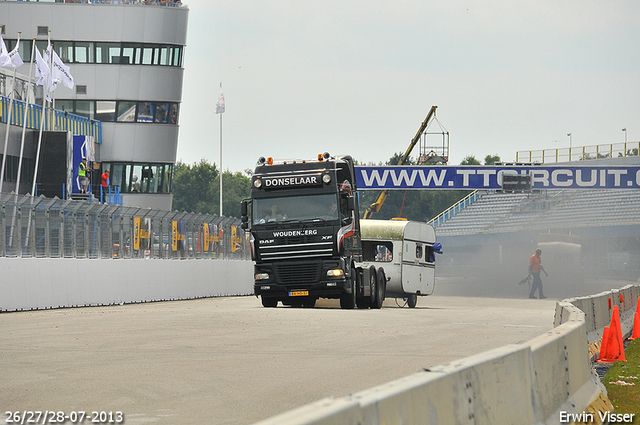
(636, 326)
(612, 349)
(604, 346)
(636, 322)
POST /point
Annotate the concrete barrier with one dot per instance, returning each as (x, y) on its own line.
(42, 283)
(598, 309)
(548, 380)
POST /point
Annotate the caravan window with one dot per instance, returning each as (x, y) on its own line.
(377, 251)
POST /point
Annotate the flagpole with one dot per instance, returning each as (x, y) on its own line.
(6, 135)
(24, 129)
(220, 161)
(220, 110)
(24, 118)
(45, 90)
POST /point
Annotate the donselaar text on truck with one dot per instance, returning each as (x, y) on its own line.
(306, 239)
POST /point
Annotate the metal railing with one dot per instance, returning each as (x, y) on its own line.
(167, 3)
(53, 119)
(579, 153)
(454, 209)
(41, 227)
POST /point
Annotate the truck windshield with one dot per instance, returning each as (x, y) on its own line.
(307, 207)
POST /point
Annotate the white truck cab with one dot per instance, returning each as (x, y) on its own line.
(406, 250)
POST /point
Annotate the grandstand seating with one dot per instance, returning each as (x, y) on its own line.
(508, 212)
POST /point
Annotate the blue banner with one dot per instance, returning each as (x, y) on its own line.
(490, 177)
(80, 150)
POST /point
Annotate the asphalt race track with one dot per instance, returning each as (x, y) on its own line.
(232, 361)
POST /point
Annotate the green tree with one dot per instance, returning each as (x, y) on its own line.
(491, 159)
(235, 187)
(395, 159)
(470, 160)
(192, 187)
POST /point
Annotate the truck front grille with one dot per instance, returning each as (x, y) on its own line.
(287, 251)
(291, 274)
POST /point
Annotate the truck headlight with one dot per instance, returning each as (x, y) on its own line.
(262, 276)
(335, 273)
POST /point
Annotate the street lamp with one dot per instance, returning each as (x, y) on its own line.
(570, 144)
(625, 134)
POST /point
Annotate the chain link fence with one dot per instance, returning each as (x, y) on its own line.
(40, 227)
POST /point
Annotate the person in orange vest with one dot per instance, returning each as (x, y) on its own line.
(535, 267)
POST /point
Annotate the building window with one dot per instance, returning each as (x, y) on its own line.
(83, 52)
(64, 49)
(126, 111)
(147, 55)
(105, 53)
(165, 55)
(108, 52)
(177, 55)
(131, 53)
(145, 111)
(65, 105)
(84, 108)
(162, 109)
(105, 110)
(173, 113)
(140, 177)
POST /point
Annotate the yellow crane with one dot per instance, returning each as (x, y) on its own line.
(375, 207)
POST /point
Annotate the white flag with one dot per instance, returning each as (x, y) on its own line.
(10, 59)
(14, 54)
(220, 103)
(42, 69)
(59, 71)
(4, 54)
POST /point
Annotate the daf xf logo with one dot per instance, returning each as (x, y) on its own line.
(327, 237)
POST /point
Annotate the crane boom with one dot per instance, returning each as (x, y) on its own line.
(375, 207)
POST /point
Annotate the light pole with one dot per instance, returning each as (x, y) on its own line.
(570, 144)
(625, 134)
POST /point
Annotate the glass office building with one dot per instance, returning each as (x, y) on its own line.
(126, 58)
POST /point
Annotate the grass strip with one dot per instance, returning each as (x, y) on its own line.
(622, 382)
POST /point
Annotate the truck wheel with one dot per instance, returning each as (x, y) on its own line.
(365, 301)
(412, 301)
(380, 288)
(348, 301)
(269, 302)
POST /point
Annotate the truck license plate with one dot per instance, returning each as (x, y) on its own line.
(299, 293)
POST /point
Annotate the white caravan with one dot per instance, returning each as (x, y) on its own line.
(406, 250)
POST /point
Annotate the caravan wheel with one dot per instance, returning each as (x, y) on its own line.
(380, 288)
(412, 301)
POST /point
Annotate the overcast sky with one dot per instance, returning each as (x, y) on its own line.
(359, 77)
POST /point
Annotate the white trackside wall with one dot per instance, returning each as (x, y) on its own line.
(537, 382)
